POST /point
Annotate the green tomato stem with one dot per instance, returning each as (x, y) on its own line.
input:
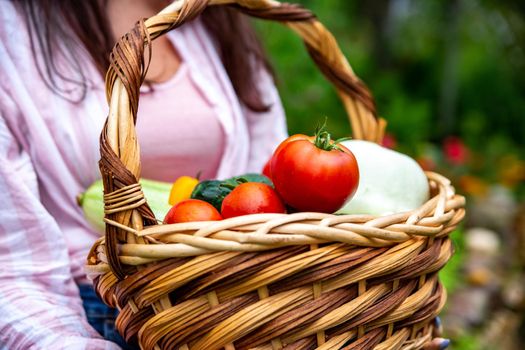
(323, 139)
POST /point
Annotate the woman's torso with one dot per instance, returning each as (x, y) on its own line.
(184, 126)
(178, 130)
(52, 143)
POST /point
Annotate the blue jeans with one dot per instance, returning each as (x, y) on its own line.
(101, 317)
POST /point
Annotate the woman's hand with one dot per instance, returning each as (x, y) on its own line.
(437, 344)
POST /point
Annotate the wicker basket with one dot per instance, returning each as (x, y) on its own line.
(267, 281)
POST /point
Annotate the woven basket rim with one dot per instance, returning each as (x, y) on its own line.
(259, 232)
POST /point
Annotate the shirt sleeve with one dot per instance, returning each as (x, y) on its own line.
(40, 306)
(267, 129)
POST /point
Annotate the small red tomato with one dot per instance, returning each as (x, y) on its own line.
(251, 198)
(192, 210)
(314, 173)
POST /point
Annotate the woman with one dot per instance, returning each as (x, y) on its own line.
(205, 107)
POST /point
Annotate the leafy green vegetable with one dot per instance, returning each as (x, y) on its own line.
(211, 191)
(451, 274)
(214, 191)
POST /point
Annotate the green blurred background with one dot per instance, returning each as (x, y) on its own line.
(435, 68)
(449, 77)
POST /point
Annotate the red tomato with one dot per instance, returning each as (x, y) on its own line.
(267, 169)
(313, 173)
(288, 140)
(192, 210)
(251, 198)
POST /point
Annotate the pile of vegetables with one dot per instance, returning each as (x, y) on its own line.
(216, 200)
(305, 173)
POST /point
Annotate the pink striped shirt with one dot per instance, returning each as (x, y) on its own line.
(49, 154)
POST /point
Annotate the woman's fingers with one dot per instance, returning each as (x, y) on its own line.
(438, 327)
(437, 344)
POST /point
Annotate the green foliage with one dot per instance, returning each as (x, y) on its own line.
(435, 67)
(306, 95)
(466, 342)
(449, 274)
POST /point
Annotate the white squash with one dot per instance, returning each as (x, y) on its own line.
(389, 181)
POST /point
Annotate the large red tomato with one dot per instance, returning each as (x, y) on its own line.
(267, 170)
(251, 198)
(192, 210)
(314, 173)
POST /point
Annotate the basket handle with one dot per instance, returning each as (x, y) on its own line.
(120, 155)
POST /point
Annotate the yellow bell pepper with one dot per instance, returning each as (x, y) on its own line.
(182, 189)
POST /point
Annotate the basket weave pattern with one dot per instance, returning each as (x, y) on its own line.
(265, 281)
